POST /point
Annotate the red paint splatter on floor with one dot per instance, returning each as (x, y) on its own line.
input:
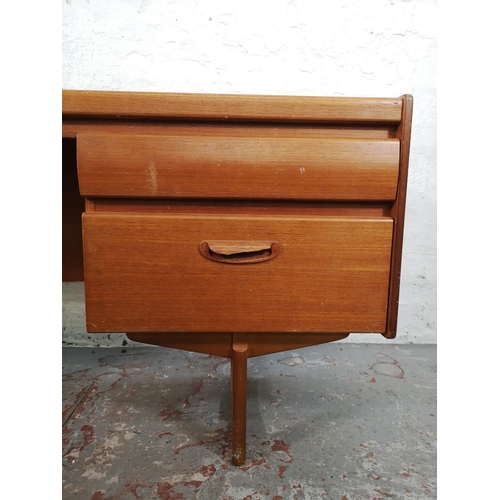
(132, 488)
(113, 386)
(98, 495)
(169, 412)
(207, 471)
(165, 492)
(217, 361)
(223, 436)
(167, 433)
(281, 446)
(253, 464)
(196, 389)
(282, 469)
(88, 435)
(373, 380)
(76, 400)
(184, 446)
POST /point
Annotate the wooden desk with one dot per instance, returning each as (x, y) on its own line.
(237, 225)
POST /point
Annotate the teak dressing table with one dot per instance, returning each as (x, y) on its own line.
(235, 225)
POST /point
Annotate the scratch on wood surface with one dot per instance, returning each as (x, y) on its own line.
(152, 176)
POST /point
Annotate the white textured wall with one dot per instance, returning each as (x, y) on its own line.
(342, 47)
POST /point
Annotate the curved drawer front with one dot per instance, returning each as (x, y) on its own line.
(295, 274)
(120, 165)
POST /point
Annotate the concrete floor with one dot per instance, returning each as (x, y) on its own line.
(337, 421)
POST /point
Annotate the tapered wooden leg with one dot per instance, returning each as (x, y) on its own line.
(239, 355)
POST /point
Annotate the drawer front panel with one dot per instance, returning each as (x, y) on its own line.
(147, 273)
(119, 165)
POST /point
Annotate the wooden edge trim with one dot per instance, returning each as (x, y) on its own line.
(217, 344)
(223, 344)
(259, 345)
(398, 215)
(229, 107)
(89, 205)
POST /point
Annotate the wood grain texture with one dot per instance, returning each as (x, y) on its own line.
(398, 215)
(242, 207)
(89, 205)
(268, 343)
(145, 273)
(220, 344)
(169, 178)
(239, 356)
(233, 167)
(227, 107)
(71, 127)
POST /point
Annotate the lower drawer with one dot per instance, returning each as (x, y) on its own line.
(212, 273)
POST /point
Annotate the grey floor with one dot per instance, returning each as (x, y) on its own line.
(337, 421)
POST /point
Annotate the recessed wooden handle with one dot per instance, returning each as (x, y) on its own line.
(239, 252)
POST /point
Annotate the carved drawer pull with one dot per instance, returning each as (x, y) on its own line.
(239, 252)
